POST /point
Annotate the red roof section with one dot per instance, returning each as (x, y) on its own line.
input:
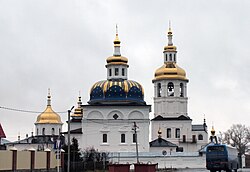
(2, 134)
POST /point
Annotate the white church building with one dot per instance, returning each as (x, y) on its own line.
(106, 122)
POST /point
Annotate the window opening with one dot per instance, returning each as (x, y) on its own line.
(122, 138)
(169, 133)
(110, 72)
(184, 138)
(116, 71)
(159, 90)
(200, 137)
(123, 72)
(181, 90)
(177, 133)
(170, 89)
(104, 138)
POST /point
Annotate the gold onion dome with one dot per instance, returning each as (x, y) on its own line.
(170, 71)
(48, 116)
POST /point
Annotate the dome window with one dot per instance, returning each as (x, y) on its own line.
(181, 89)
(53, 131)
(116, 71)
(170, 89)
(123, 72)
(110, 72)
(43, 131)
(159, 89)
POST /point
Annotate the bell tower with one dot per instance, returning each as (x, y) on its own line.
(170, 84)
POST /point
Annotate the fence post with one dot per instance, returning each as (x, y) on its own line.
(32, 158)
(47, 150)
(14, 158)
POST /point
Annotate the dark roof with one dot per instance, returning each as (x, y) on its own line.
(199, 127)
(160, 142)
(160, 118)
(116, 91)
(76, 131)
(2, 134)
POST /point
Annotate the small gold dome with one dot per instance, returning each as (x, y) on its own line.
(170, 71)
(49, 116)
(170, 48)
(117, 60)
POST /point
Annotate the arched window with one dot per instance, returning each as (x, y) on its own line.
(170, 89)
(174, 57)
(170, 57)
(43, 131)
(104, 138)
(166, 57)
(181, 90)
(200, 137)
(59, 131)
(37, 131)
(159, 90)
(53, 131)
(122, 138)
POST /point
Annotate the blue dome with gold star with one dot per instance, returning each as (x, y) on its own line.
(116, 92)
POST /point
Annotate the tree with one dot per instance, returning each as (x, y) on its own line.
(75, 154)
(238, 136)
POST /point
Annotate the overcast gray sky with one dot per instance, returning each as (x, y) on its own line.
(63, 45)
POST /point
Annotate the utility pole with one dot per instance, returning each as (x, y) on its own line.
(136, 143)
(69, 111)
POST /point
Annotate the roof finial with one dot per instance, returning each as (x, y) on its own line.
(117, 43)
(169, 28)
(49, 96)
(116, 29)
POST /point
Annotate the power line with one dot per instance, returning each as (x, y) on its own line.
(26, 111)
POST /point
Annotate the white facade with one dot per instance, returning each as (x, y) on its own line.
(100, 122)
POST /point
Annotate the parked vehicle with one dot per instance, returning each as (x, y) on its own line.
(221, 157)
